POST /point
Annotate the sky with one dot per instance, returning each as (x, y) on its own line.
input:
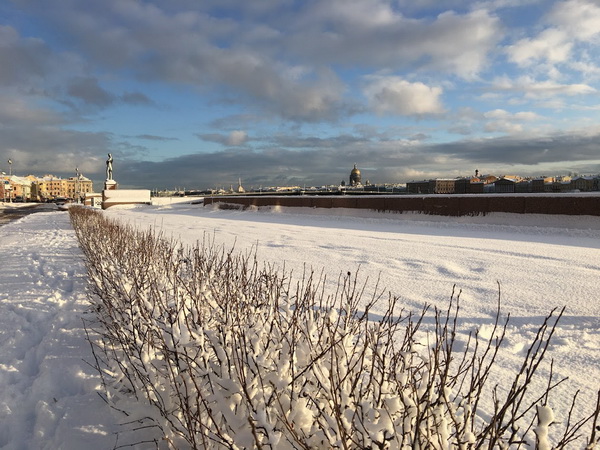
(197, 95)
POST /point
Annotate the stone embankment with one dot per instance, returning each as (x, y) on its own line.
(445, 205)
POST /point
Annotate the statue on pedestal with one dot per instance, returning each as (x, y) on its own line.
(109, 167)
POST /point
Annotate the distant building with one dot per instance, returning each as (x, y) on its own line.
(506, 185)
(49, 187)
(442, 186)
(417, 187)
(240, 188)
(3, 192)
(460, 185)
(476, 187)
(561, 184)
(16, 188)
(487, 179)
(78, 186)
(355, 177)
(584, 184)
(468, 185)
(541, 184)
(523, 186)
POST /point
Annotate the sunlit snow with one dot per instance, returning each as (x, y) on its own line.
(48, 393)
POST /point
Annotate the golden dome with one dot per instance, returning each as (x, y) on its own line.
(355, 177)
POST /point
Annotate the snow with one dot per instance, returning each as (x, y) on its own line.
(48, 393)
(546, 417)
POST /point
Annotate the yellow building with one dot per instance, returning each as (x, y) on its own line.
(77, 187)
(4, 189)
(15, 188)
(49, 187)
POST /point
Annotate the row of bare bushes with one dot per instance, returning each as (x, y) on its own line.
(219, 351)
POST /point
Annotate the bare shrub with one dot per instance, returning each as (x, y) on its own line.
(222, 351)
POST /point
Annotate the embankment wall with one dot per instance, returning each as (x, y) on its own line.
(451, 205)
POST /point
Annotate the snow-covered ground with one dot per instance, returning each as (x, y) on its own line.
(48, 393)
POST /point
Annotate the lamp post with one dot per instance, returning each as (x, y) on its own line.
(10, 194)
(78, 185)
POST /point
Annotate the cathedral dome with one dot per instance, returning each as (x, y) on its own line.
(355, 177)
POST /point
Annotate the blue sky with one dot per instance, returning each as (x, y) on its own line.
(280, 92)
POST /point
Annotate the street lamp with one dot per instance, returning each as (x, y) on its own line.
(77, 187)
(10, 175)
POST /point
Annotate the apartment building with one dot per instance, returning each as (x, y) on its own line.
(49, 188)
(585, 184)
(15, 188)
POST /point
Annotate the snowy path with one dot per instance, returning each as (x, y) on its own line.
(47, 391)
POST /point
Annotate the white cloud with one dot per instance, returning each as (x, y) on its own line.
(551, 45)
(499, 4)
(237, 138)
(504, 121)
(371, 33)
(365, 14)
(19, 110)
(461, 43)
(394, 95)
(526, 115)
(540, 89)
(505, 115)
(587, 68)
(496, 114)
(579, 18)
(545, 88)
(567, 24)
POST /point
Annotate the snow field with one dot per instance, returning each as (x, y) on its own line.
(547, 263)
(231, 355)
(42, 298)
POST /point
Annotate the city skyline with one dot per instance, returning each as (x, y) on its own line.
(358, 184)
(296, 92)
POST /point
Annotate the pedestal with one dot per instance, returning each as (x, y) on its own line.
(111, 196)
(110, 185)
